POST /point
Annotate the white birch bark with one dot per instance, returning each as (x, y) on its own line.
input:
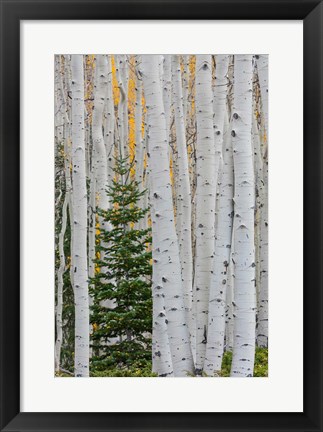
(68, 157)
(79, 252)
(205, 198)
(262, 68)
(259, 184)
(186, 76)
(109, 125)
(92, 220)
(100, 156)
(161, 355)
(60, 286)
(101, 169)
(183, 215)
(229, 308)
(146, 202)
(244, 203)
(169, 277)
(217, 303)
(262, 323)
(139, 155)
(69, 190)
(167, 86)
(220, 107)
(262, 295)
(64, 86)
(59, 105)
(123, 78)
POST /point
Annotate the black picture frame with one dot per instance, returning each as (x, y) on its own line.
(12, 12)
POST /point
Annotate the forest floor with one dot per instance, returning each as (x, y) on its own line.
(260, 368)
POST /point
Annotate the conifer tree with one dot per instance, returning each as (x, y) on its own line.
(122, 332)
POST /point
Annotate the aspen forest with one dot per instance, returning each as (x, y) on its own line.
(161, 215)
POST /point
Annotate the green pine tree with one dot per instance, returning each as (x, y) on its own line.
(122, 332)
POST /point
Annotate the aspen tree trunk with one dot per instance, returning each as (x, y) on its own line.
(139, 157)
(217, 304)
(230, 280)
(123, 78)
(161, 355)
(184, 210)
(220, 107)
(65, 107)
(169, 277)
(100, 156)
(229, 309)
(88, 133)
(99, 151)
(186, 76)
(59, 105)
(109, 125)
(262, 68)
(99, 172)
(258, 167)
(60, 286)
(244, 203)
(217, 296)
(167, 88)
(260, 203)
(262, 324)
(64, 86)
(140, 142)
(68, 158)
(79, 252)
(92, 218)
(205, 202)
(145, 224)
(92, 223)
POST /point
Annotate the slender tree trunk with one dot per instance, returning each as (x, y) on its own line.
(169, 277)
(100, 156)
(139, 155)
(217, 297)
(109, 125)
(123, 78)
(183, 191)
(262, 327)
(220, 107)
(167, 89)
(68, 157)
(205, 201)
(92, 222)
(229, 309)
(186, 76)
(79, 252)
(244, 203)
(262, 68)
(259, 210)
(146, 182)
(262, 324)
(60, 287)
(161, 355)
(217, 305)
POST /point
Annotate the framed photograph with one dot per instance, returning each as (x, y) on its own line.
(161, 196)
